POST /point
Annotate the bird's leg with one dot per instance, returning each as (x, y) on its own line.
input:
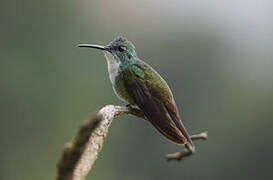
(129, 106)
(189, 148)
(135, 111)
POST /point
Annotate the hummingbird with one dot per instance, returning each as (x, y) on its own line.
(138, 84)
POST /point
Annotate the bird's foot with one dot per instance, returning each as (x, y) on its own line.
(135, 111)
(129, 106)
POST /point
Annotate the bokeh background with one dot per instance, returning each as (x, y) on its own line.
(215, 55)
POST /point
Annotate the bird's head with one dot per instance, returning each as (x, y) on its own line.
(120, 50)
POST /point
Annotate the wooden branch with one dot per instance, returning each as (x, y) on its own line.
(80, 155)
(188, 151)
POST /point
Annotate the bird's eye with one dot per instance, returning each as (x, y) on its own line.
(121, 48)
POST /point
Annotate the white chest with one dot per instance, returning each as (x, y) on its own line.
(113, 66)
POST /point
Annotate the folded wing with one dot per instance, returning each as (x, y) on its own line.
(154, 110)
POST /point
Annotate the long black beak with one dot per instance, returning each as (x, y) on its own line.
(105, 48)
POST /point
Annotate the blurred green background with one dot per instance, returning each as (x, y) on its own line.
(215, 55)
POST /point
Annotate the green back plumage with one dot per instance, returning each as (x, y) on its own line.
(145, 74)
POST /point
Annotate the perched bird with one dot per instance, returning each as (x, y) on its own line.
(138, 84)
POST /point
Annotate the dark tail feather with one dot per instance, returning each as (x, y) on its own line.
(177, 121)
(157, 115)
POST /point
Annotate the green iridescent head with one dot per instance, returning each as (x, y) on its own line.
(122, 50)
